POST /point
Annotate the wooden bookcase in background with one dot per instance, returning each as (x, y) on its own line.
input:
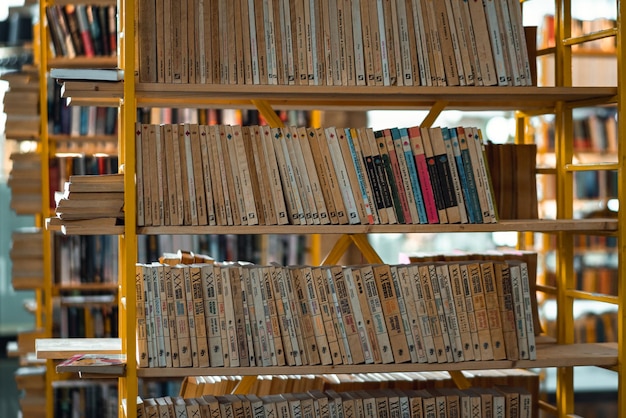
(559, 100)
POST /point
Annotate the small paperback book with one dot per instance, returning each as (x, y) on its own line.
(111, 364)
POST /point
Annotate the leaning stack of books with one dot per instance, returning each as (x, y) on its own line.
(27, 259)
(21, 104)
(89, 204)
(25, 183)
(31, 382)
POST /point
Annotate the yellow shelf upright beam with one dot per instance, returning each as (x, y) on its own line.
(44, 149)
(434, 113)
(565, 198)
(127, 387)
(621, 192)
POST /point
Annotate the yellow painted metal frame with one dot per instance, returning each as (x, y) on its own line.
(564, 173)
(565, 290)
(45, 294)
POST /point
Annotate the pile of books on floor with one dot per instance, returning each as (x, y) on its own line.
(439, 312)
(90, 204)
(25, 183)
(190, 174)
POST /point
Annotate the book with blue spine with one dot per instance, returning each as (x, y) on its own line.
(415, 184)
(454, 172)
(466, 177)
(469, 174)
(407, 196)
(356, 160)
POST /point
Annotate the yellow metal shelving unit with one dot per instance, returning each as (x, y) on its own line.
(559, 100)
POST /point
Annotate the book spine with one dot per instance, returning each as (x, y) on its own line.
(409, 161)
(270, 297)
(336, 310)
(211, 316)
(452, 318)
(342, 176)
(285, 317)
(391, 309)
(387, 171)
(455, 171)
(141, 318)
(317, 321)
(404, 312)
(426, 186)
(165, 323)
(493, 310)
(361, 175)
(390, 136)
(325, 308)
(480, 311)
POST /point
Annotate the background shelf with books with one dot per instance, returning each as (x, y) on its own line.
(590, 57)
(557, 100)
(80, 141)
(22, 302)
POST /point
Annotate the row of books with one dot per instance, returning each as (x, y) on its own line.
(247, 117)
(357, 42)
(513, 170)
(82, 30)
(81, 259)
(500, 401)
(595, 279)
(580, 27)
(85, 398)
(286, 249)
(86, 317)
(593, 131)
(79, 120)
(197, 386)
(192, 174)
(187, 315)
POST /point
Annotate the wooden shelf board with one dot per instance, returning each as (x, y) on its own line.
(63, 348)
(573, 225)
(548, 355)
(83, 138)
(334, 97)
(81, 61)
(86, 286)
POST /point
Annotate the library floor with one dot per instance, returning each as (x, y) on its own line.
(9, 404)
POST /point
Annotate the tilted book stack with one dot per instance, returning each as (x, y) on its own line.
(92, 204)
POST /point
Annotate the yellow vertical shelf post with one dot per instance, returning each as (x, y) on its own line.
(621, 193)
(44, 148)
(127, 385)
(564, 183)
